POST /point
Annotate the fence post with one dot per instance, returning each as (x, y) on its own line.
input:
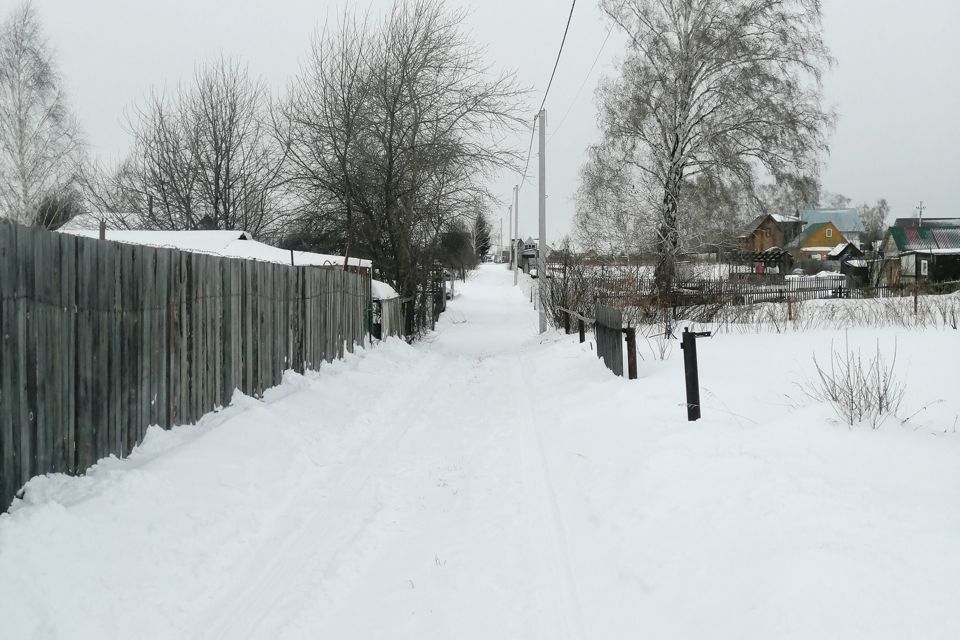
(631, 352)
(581, 328)
(566, 323)
(689, 346)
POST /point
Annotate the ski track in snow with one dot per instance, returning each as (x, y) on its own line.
(314, 545)
(307, 550)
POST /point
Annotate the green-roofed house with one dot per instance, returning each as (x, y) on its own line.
(924, 250)
(847, 221)
(816, 241)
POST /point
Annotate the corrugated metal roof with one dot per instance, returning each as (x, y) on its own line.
(846, 220)
(924, 238)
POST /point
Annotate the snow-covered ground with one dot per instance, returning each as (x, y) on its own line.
(492, 483)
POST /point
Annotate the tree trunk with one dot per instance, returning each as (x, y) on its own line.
(668, 239)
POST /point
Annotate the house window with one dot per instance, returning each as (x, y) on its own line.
(829, 233)
(924, 269)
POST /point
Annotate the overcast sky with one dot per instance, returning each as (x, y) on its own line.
(896, 85)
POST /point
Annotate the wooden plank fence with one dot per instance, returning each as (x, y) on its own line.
(99, 340)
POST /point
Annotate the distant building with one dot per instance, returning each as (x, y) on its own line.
(528, 250)
(767, 231)
(847, 221)
(924, 250)
(816, 242)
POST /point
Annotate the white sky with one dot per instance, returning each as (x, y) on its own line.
(896, 85)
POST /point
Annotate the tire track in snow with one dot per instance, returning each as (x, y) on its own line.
(569, 609)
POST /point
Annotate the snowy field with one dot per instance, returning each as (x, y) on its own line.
(492, 483)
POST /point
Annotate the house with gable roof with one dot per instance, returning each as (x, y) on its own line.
(922, 250)
(846, 221)
(767, 231)
(816, 242)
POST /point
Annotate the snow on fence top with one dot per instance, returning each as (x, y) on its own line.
(382, 291)
(226, 244)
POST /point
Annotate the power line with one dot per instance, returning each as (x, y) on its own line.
(553, 73)
(557, 62)
(533, 130)
(582, 84)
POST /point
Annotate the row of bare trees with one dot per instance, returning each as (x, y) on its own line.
(204, 156)
(382, 146)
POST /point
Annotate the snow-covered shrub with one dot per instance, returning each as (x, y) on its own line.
(859, 389)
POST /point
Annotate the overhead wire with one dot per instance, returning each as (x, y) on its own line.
(553, 73)
(582, 84)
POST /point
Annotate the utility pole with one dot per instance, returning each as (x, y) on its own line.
(509, 230)
(542, 241)
(920, 209)
(516, 234)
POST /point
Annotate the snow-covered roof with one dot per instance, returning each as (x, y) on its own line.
(226, 244)
(837, 250)
(779, 217)
(382, 291)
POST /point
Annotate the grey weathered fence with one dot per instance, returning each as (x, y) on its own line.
(100, 340)
(608, 326)
(391, 318)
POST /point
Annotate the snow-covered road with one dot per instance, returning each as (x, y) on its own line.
(490, 483)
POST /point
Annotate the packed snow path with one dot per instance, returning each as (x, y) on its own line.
(492, 483)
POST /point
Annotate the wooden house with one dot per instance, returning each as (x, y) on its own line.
(846, 220)
(767, 231)
(921, 250)
(816, 242)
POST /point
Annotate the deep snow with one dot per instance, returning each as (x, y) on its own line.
(492, 483)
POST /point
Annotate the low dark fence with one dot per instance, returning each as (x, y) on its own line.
(626, 291)
(608, 325)
(102, 339)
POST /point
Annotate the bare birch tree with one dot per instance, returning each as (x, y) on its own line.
(39, 138)
(726, 88)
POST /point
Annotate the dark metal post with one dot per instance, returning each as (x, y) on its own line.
(631, 352)
(580, 326)
(689, 346)
(566, 323)
(916, 281)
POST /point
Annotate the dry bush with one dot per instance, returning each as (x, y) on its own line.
(859, 389)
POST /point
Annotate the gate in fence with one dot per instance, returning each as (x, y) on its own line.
(609, 330)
